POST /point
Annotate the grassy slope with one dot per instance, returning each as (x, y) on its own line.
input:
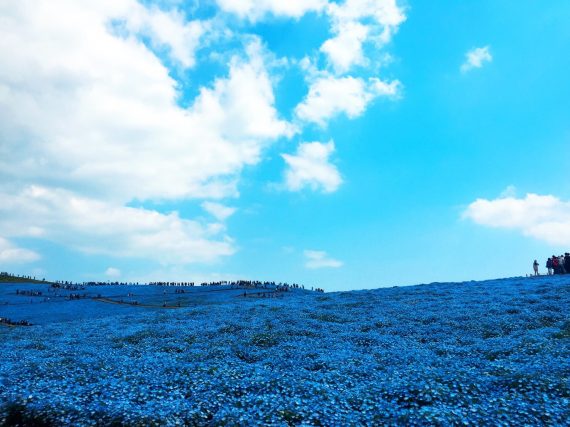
(482, 353)
(15, 279)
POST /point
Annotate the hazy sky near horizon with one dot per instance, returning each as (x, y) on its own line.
(342, 144)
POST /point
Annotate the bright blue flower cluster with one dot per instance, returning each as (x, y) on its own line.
(495, 352)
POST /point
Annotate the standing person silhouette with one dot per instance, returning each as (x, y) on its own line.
(535, 267)
(549, 266)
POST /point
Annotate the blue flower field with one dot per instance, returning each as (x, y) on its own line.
(475, 353)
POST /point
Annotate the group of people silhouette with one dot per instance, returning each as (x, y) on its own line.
(29, 293)
(67, 285)
(9, 322)
(555, 265)
(558, 264)
(267, 289)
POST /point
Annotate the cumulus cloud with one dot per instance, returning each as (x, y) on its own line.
(476, 58)
(510, 191)
(330, 96)
(345, 49)
(320, 259)
(165, 28)
(11, 254)
(545, 217)
(355, 22)
(97, 227)
(88, 109)
(219, 211)
(256, 9)
(384, 12)
(102, 110)
(310, 167)
(113, 272)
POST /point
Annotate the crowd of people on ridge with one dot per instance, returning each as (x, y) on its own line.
(233, 284)
(273, 288)
(30, 293)
(68, 286)
(73, 286)
(9, 322)
(52, 292)
(555, 265)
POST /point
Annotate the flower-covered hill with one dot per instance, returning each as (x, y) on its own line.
(495, 352)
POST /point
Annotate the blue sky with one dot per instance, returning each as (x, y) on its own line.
(345, 145)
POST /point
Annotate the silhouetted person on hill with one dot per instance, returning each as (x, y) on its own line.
(549, 266)
(535, 267)
(555, 264)
(561, 264)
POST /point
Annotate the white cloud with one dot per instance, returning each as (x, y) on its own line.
(476, 58)
(355, 22)
(219, 211)
(330, 96)
(113, 272)
(384, 12)
(10, 254)
(545, 218)
(379, 87)
(101, 111)
(510, 191)
(166, 29)
(310, 167)
(96, 227)
(256, 9)
(90, 111)
(345, 49)
(241, 108)
(89, 108)
(320, 259)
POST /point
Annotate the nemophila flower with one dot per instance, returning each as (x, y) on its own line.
(476, 353)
